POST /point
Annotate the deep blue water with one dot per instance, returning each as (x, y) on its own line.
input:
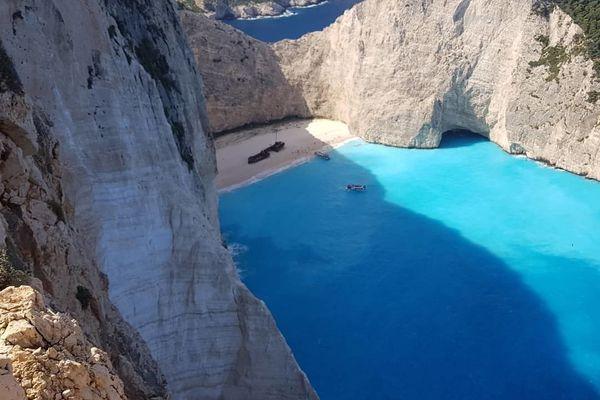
(304, 20)
(462, 273)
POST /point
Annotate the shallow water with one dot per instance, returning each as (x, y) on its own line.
(462, 272)
(303, 20)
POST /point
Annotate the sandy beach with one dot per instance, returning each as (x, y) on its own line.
(302, 138)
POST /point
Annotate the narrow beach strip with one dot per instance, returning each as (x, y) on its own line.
(302, 138)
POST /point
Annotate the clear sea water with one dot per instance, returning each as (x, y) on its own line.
(303, 20)
(462, 272)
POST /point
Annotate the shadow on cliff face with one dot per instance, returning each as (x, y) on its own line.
(378, 302)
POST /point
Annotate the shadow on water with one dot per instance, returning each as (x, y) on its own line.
(378, 302)
(460, 138)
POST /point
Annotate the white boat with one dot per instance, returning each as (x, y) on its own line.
(356, 188)
(322, 155)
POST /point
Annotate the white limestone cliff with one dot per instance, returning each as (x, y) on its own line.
(109, 91)
(403, 73)
(243, 82)
(37, 237)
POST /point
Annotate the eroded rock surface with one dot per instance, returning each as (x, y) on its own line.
(404, 73)
(48, 354)
(243, 82)
(38, 237)
(108, 198)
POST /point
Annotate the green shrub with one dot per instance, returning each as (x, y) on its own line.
(10, 276)
(189, 5)
(593, 96)
(586, 14)
(552, 57)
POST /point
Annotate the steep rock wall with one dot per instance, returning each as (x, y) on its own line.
(243, 82)
(103, 112)
(404, 73)
(38, 237)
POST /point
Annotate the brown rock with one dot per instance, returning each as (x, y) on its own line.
(22, 333)
(54, 367)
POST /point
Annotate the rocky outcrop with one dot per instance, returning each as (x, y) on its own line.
(48, 353)
(227, 9)
(243, 82)
(254, 10)
(257, 9)
(405, 73)
(106, 184)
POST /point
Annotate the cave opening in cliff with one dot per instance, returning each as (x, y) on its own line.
(460, 138)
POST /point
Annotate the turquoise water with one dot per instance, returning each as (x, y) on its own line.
(303, 20)
(462, 273)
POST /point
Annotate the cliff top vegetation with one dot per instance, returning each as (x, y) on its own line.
(586, 14)
(9, 275)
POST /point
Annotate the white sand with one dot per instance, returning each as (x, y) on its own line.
(302, 138)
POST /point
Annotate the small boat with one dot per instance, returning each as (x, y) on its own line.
(322, 155)
(356, 188)
(277, 146)
(258, 157)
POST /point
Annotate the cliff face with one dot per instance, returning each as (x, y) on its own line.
(38, 235)
(404, 73)
(107, 185)
(243, 82)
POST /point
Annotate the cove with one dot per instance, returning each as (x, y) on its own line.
(302, 21)
(462, 273)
